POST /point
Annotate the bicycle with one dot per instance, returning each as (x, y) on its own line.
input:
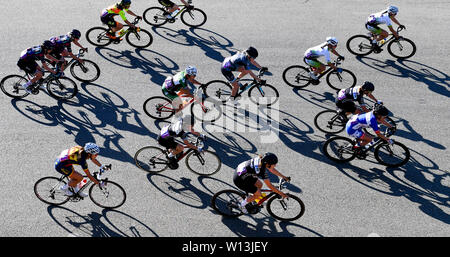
(153, 159)
(88, 71)
(259, 93)
(227, 203)
(139, 38)
(190, 16)
(297, 76)
(334, 121)
(342, 149)
(204, 109)
(361, 45)
(60, 88)
(107, 194)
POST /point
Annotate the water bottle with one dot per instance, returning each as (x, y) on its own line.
(382, 41)
(261, 197)
(122, 32)
(82, 183)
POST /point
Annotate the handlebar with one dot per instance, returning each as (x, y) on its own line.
(282, 182)
(136, 20)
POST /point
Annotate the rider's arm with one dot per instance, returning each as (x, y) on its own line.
(184, 92)
(79, 45)
(73, 56)
(184, 2)
(90, 176)
(44, 64)
(274, 189)
(188, 144)
(132, 13)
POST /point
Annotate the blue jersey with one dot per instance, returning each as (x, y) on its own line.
(233, 62)
(365, 120)
(34, 53)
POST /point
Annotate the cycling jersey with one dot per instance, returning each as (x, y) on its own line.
(167, 136)
(379, 18)
(252, 166)
(114, 10)
(34, 53)
(175, 83)
(318, 51)
(237, 60)
(62, 42)
(69, 157)
(351, 93)
(358, 122)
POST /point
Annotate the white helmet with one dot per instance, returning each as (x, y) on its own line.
(191, 70)
(332, 41)
(91, 148)
(392, 9)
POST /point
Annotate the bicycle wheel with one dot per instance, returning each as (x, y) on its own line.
(11, 85)
(155, 16)
(193, 17)
(296, 76)
(109, 196)
(359, 45)
(226, 202)
(47, 190)
(339, 149)
(344, 79)
(151, 159)
(207, 111)
(285, 209)
(140, 39)
(218, 90)
(97, 36)
(330, 122)
(263, 94)
(402, 49)
(62, 88)
(205, 163)
(381, 127)
(158, 108)
(88, 71)
(394, 155)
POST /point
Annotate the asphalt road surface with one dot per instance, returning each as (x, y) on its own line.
(358, 199)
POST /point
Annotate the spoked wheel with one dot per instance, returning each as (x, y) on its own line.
(340, 80)
(296, 76)
(109, 196)
(155, 16)
(330, 122)
(48, 190)
(140, 39)
(394, 155)
(151, 159)
(288, 209)
(205, 163)
(265, 95)
(402, 49)
(193, 17)
(11, 85)
(62, 88)
(88, 71)
(159, 108)
(339, 149)
(97, 36)
(218, 90)
(360, 45)
(226, 202)
(208, 111)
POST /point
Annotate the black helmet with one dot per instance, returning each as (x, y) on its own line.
(380, 110)
(368, 86)
(252, 52)
(269, 158)
(125, 3)
(75, 33)
(48, 45)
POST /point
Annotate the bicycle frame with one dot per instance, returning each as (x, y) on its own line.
(250, 85)
(162, 108)
(390, 39)
(183, 154)
(271, 193)
(337, 62)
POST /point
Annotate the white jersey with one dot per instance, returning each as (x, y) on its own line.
(317, 51)
(379, 18)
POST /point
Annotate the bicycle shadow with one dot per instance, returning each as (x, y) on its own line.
(92, 225)
(436, 80)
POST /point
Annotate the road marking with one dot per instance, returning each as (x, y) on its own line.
(373, 235)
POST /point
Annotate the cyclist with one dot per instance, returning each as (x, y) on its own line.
(240, 62)
(178, 85)
(346, 97)
(383, 17)
(63, 47)
(248, 173)
(172, 8)
(177, 128)
(27, 62)
(323, 49)
(370, 119)
(77, 155)
(108, 14)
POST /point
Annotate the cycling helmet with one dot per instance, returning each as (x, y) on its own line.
(368, 86)
(126, 3)
(75, 33)
(48, 44)
(269, 158)
(252, 52)
(392, 9)
(380, 110)
(332, 41)
(191, 70)
(91, 148)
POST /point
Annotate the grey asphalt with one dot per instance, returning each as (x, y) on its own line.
(358, 199)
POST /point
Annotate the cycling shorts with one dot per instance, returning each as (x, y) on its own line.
(30, 66)
(373, 28)
(63, 168)
(246, 182)
(356, 133)
(228, 74)
(168, 142)
(166, 3)
(346, 105)
(109, 20)
(313, 62)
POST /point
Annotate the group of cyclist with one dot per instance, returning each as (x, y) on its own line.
(248, 174)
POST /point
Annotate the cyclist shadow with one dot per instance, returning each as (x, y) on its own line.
(154, 65)
(436, 80)
(325, 100)
(92, 225)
